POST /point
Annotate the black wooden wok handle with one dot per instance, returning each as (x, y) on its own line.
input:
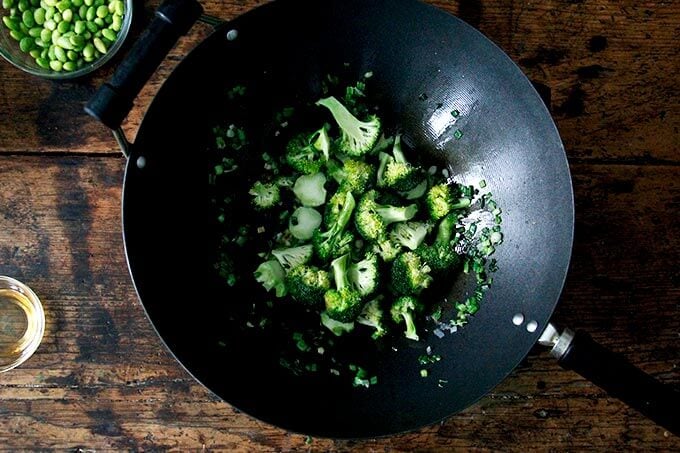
(618, 377)
(113, 101)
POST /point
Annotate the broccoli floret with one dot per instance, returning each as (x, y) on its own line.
(395, 172)
(338, 328)
(410, 275)
(309, 189)
(304, 222)
(372, 316)
(441, 256)
(404, 310)
(444, 198)
(387, 248)
(307, 284)
(271, 275)
(307, 153)
(328, 243)
(294, 256)
(410, 234)
(344, 302)
(357, 137)
(372, 218)
(265, 196)
(353, 175)
(365, 275)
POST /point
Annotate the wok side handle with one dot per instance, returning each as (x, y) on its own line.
(113, 100)
(618, 377)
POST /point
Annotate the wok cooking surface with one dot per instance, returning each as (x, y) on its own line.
(420, 58)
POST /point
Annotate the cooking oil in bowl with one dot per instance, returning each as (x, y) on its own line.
(22, 323)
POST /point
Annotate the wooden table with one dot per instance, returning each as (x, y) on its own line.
(101, 379)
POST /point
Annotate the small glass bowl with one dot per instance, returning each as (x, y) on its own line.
(9, 49)
(22, 323)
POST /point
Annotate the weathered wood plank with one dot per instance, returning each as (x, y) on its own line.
(611, 68)
(101, 378)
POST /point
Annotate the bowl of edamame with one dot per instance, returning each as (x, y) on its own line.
(62, 39)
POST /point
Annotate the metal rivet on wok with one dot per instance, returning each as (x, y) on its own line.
(141, 162)
(518, 319)
(232, 35)
(532, 326)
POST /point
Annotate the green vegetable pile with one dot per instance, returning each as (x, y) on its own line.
(339, 229)
(370, 232)
(64, 35)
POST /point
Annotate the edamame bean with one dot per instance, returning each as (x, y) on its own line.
(102, 11)
(92, 27)
(88, 51)
(77, 41)
(79, 27)
(99, 45)
(26, 44)
(35, 32)
(56, 16)
(109, 34)
(11, 22)
(117, 23)
(50, 24)
(39, 16)
(72, 55)
(56, 65)
(63, 5)
(7, 4)
(60, 54)
(67, 15)
(77, 3)
(16, 35)
(69, 66)
(42, 62)
(46, 35)
(49, 12)
(88, 2)
(91, 14)
(35, 53)
(99, 22)
(23, 5)
(63, 27)
(65, 43)
(27, 18)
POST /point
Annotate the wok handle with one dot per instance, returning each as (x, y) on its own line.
(113, 100)
(618, 377)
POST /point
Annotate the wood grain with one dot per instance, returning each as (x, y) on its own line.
(611, 69)
(102, 380)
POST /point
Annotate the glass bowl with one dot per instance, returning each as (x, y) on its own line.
(9, 49)
(22, 323)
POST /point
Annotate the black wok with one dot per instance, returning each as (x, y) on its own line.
(425, 64)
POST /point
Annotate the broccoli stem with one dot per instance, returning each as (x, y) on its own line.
(339, 267)
(445, 230)
(410, 332)
(397, 152)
